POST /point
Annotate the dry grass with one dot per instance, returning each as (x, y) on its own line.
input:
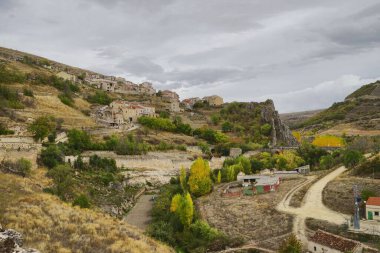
(338, 194)
(51, 105)
(50, 225)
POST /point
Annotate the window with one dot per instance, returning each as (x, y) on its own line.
(315, 248)
(376, 213)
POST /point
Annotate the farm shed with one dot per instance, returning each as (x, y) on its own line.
(258, 183)
(373, 208)
(322, 242)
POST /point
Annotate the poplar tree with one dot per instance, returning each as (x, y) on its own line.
(199, 181)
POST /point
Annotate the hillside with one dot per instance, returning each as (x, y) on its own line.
(358, 114)
(293, 119)
(50, 225)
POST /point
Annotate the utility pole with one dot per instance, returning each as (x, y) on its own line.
(357, 200)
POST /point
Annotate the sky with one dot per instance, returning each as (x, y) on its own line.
(302, 54)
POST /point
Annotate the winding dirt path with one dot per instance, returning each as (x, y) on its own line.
(312, 205)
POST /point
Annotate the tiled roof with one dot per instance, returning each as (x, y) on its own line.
(373, 201)
(334, 241)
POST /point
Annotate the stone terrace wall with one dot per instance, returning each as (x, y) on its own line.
(14, 148)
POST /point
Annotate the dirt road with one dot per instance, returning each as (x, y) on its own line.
(139, 216)
(312, 206)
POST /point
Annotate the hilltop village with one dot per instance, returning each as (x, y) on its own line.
(129, 168)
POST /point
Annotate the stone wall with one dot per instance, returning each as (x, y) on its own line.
(14, 148)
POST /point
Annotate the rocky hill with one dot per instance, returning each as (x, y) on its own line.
(359, 114)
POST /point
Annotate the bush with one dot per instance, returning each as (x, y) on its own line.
(28, 92)
(211, 135)
(266, 129)
(351, 158)
(66, 99)
(100, 97)
(10, 98)
(51, 156)
(8, 76)
(42, 127)
(63, 181)
(4, 130)
(82, 201)
(366, 193)
(78, 140)
(130, 146)
(157, 123)
(21, 167)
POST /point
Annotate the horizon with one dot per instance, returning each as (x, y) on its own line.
(304, 56)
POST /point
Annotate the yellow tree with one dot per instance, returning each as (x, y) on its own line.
(176, 202)
(328, 141)
(199, 181)
(187, 210)
(219, 179)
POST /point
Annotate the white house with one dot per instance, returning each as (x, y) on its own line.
(324, 242)
(373, 208)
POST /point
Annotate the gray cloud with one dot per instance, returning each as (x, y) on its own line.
(241, 49)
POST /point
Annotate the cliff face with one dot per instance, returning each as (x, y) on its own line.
(281, 134)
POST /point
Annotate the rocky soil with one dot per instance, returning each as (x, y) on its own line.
(12, 241)
(252, 217)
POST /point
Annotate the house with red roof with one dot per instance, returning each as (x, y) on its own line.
(373, 208)
(322, 242)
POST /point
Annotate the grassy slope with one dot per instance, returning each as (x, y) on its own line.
(360, 116)
(50, 225)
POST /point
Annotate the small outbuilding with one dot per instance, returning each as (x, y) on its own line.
(373, 208)
(322, 242)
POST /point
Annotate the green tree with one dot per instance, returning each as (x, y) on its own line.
(199, 181)
(366, 193)
(78, 140)
(227, 127)
(215, 119)
(266, 129)
(42, 127)
(245, 163)
(352, 158)
(326, 162)
(291, 245)
(51, 156)
(63, 181)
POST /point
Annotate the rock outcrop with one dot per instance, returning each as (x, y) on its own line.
(281, 134)
(11, 241)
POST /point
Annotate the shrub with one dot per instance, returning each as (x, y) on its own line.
(157, 123)
(63, 181)
(82, 201)
(291, 245)
(4, 130)
(227, 127)
(8, 76)
(210, 135)
(51, 156)
(21, 167)
(366, 193)
(326, 162)
(100, 97)
(215, 119)
(78, 140)
(42, 127)
(266, 129)
(351, 158)
(28, 92)
(130, 146)
(10, 98)
(66, 99)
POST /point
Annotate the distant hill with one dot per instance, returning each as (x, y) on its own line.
(359, 114)
(293, 119)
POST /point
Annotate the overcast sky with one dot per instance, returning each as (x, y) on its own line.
(302, 54)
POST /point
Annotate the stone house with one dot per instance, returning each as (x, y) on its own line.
(127, 88)
(146, 88)
(214, 100)
(258, 183)
(173, 106)
(66, 76)
(322, 242)
(129, 112)
(169, 95)
(189, 102)
(373, 208)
